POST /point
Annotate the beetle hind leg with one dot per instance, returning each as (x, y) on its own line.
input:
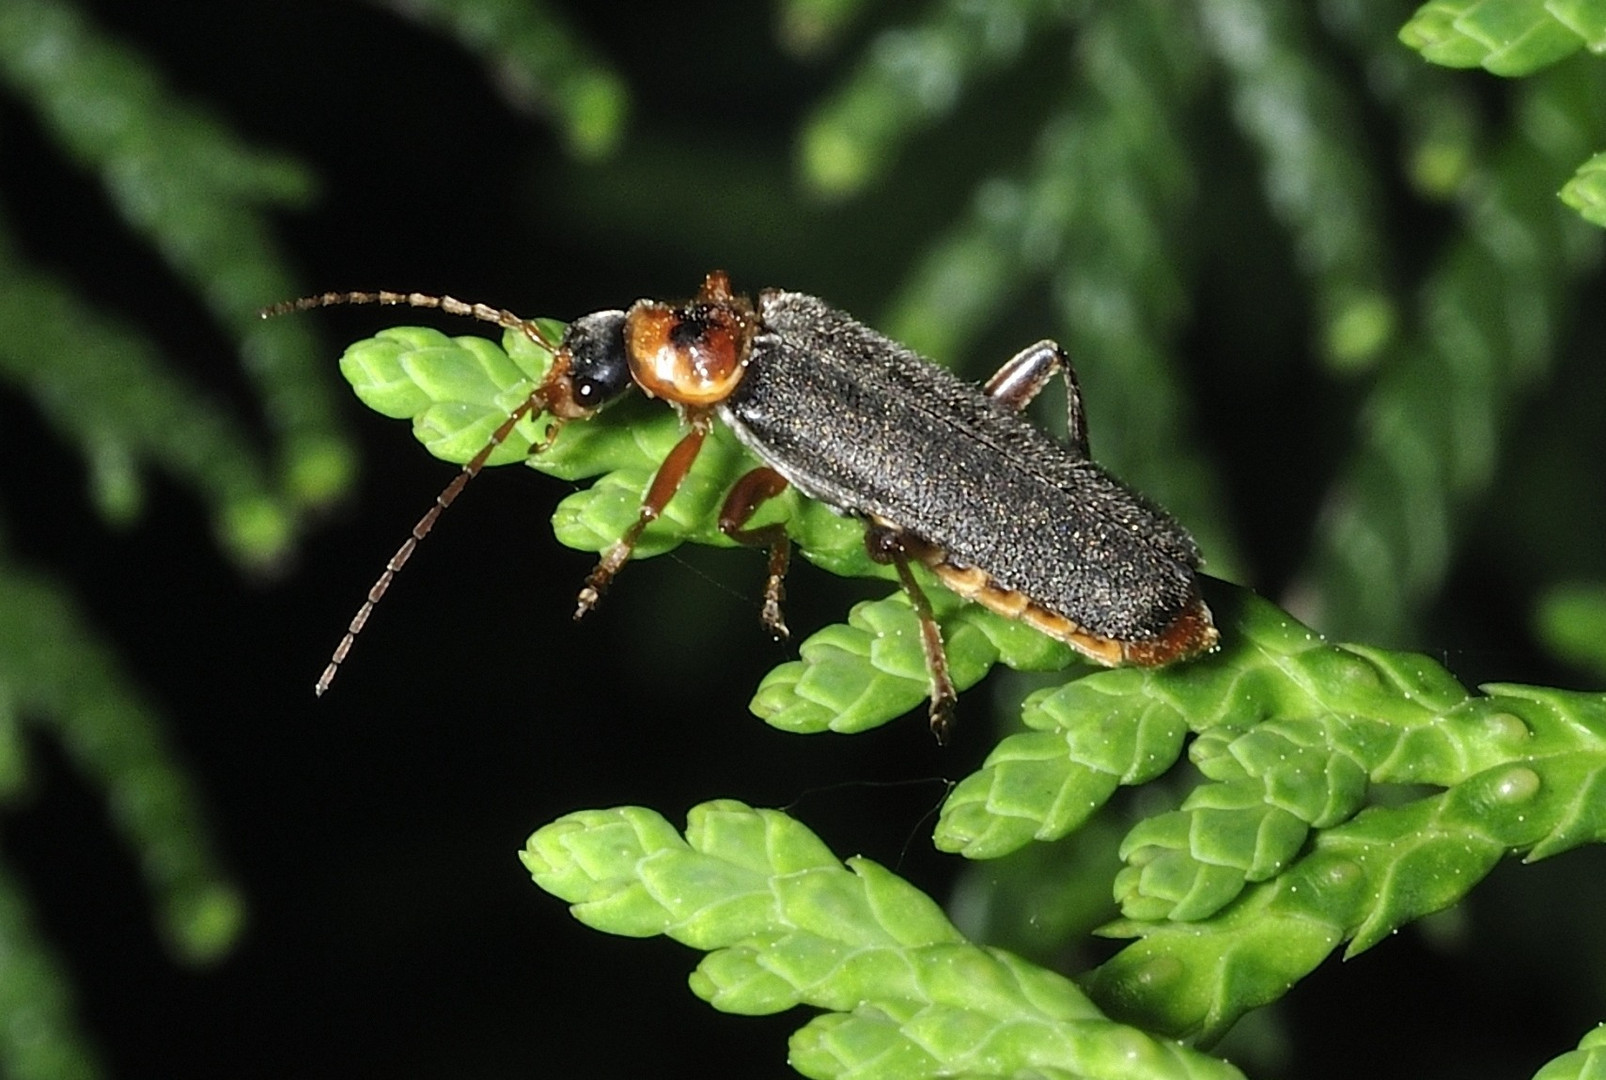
(1024, 376)
(888, 544)
(745, 497)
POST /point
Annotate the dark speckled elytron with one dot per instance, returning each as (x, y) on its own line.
(865, 425)
(945, 473)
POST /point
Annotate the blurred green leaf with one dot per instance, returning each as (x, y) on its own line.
(910, 77)
(538, 60)
(1297, 108)
(1431, 431)
(200, 196)
(103, 385)
(1571, 620)
(41, 1039)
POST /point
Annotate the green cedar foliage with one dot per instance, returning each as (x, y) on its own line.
(785, 923)
(1289, 848)
(200, 197)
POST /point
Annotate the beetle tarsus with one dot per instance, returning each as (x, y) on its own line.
(942, 717)
(944, 698)
(780, 547)
(770, 615)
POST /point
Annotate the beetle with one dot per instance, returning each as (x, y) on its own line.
(945, 474)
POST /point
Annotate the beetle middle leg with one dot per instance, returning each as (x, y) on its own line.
(665, 483)
(889, 544)
(745, 497)
(1027, 372)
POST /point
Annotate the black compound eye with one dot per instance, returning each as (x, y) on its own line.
(592, 392)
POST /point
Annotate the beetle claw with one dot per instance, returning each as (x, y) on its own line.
(586, 601)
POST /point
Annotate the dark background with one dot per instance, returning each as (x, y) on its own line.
(393, 931)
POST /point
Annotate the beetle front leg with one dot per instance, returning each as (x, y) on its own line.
(1027, 372)
(746, 496)
(664, 485)
(888, 544)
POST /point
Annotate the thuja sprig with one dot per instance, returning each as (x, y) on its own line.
(1281, 855)
(784, 923)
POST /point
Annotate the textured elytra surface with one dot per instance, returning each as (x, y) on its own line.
(866, 425)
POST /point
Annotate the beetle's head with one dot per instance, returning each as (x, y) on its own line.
(591, 368)
(692, 353)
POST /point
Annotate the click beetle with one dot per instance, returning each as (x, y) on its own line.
(944, 473)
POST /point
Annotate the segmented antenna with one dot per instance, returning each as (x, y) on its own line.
(535, 403)
(450, 304)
